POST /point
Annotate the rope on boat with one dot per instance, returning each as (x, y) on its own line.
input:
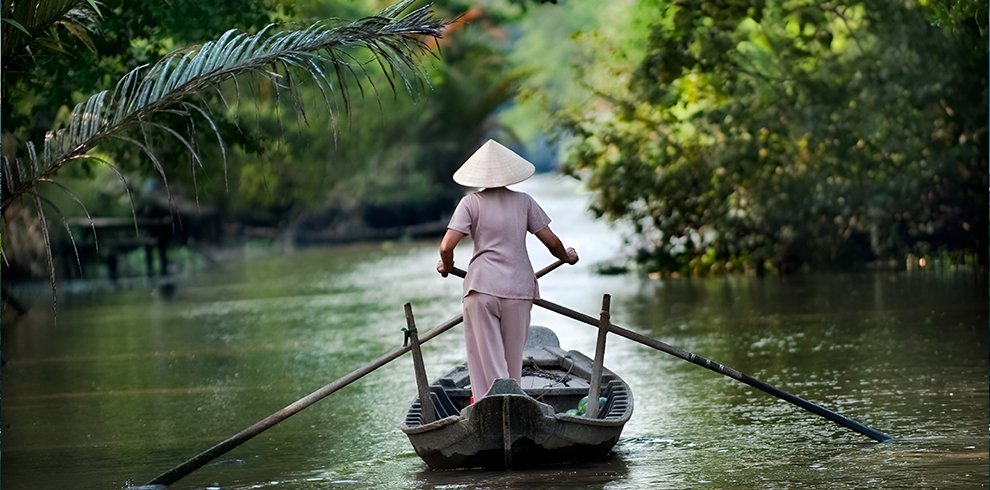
(534, 370)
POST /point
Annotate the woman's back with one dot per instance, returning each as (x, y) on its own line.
(498, 220)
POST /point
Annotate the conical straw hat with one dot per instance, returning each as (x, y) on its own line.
(493, 165)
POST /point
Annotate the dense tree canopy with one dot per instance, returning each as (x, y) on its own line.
(147, 115)
(293, 156)
(787, 135)
(771, 135)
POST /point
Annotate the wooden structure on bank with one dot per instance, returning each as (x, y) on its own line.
(107, 240)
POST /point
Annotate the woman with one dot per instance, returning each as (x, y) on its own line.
(500, 285)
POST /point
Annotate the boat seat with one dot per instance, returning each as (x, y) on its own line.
(618, 401)
(441, 402)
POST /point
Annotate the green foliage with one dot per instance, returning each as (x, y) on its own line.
(305, 135)
(571, 52)
(318, 51)
(390, 158)
(785, 135)
(152, 110)
(40, 83)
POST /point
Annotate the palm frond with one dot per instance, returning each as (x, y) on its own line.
(65, 222)
(322, 50)
(29, 24)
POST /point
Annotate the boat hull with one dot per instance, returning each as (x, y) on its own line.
(510, 427)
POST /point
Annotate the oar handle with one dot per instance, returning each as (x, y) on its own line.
(548, 269)
(540, 273)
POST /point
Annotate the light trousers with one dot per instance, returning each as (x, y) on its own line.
(495, 333)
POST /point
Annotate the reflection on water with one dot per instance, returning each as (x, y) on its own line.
(127, 386)
(602, 474)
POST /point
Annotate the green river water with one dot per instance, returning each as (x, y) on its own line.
(125, 386)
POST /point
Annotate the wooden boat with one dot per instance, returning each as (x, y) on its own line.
(517, 426)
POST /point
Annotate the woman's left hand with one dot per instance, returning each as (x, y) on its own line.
(572, 256)
(441, 269)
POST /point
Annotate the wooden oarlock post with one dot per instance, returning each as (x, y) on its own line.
(422, 384)
(596, 369)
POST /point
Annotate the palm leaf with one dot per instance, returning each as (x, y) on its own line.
(34, 23)
(321, 50)
(324, 51)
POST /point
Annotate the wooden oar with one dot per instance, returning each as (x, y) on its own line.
(540, 273)
(194, 463)
(721, 369)
(546, 270)
(710, 365)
